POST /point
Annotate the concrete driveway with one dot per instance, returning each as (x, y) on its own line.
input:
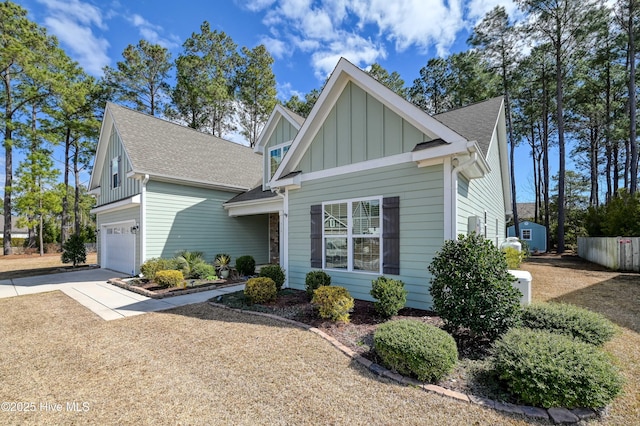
(90, 289)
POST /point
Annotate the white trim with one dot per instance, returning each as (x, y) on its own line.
(282, 155)
(118, 205)
(188, 182)
(284, 231)
(357, 167)
(530, 234)
(450, 201)
(247, 208)
(95, 191)
(270, 126)
(143, 219)
(350, 236)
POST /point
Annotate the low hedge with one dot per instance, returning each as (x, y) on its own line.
(170, 278)
(333, 303)
(260, 290)
(275, 272)
(547, 369)
(416, 349)
(588, 326)
(314, 280)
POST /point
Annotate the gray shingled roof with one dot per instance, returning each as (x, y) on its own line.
(474, 122)
(296, 117)
(160, 148)
(255, 194)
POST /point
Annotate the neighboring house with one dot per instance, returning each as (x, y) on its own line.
(534, 234)
(369, 184)
(16, 231)
(160, 188)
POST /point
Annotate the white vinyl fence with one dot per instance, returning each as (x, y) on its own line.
(619, 253)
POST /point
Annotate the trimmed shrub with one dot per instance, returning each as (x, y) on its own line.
(390, 296)
(275, 272)
(314, 280)
(551, 370)
(260, 290)
(471, 287)
(588, 326)
(203, 270)
(413, 348)
(74, 251)
(152, 266)
(246, 265)
(514, 257)
(333, 303)
(169, 278)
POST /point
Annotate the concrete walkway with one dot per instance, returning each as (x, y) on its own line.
(90, 289)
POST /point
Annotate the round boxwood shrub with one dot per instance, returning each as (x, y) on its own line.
(152, 266)
(472, 289)
(333, 303)
(275, 272)
(588, 326)
(547, 369)
(413, 348)
(314, 280)
(390, 296)
(260, 290)
(246, 265)
(203, 270)
(170, 278)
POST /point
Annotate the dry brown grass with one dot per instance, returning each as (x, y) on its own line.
(613, 294)
(197, 365)
(25, 265)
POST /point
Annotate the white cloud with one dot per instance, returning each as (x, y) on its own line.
(277, 48)
(72, 22)
(151, 32)
(477, 9)
(360, 51)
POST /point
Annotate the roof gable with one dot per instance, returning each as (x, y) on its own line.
(344, 73)
(165, 150)
(279, 113)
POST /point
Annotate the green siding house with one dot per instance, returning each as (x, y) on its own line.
(371, 185)
(160, 188)
(367, 185)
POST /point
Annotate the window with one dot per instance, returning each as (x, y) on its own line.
(115, 173)
(276, 155)
(351, 235)
(525, 234)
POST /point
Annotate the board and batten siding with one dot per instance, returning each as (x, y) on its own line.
(124, 215)
(359, 128)
(129, 187)
(284, 132)
(421, 192)
(188, 218)
(477, 196)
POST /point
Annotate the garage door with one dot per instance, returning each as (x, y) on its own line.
(119, 248)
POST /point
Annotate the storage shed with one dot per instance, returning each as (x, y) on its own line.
(534, 234)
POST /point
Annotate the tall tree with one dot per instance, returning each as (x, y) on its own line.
(303, 107)
(256, 91)
(204, 92)
(28, 60)
(393, 81)
(429, 91)
(141, 78)
(566, 25)
(497, 39)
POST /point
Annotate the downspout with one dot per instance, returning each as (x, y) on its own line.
(284, 234)
(143, 219)
(454, 192)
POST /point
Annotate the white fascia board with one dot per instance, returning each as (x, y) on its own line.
(272, 122)
(247, 208)
(293, 182)
(438, 151)
(101, 150)
(95, 191)
(197, 183)
(118, 205)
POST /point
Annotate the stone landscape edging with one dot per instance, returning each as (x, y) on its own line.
(118, 282)
(558, 415)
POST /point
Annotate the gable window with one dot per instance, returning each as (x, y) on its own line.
(525, 234)
(276, 154)
(352, 235)
(116, 179)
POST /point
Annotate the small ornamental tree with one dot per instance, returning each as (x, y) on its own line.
(471, 287)
(74, 251)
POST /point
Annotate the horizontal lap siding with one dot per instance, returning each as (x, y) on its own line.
(478, 195)
(421, 224)
(187, 218)
(125, 215)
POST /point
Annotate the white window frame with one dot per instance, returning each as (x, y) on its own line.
(118, 172)
(280, 148)
(351, 236)
(522, 234)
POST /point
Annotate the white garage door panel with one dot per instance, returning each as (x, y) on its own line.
(120, 248)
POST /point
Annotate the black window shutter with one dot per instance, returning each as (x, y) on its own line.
(391, 235)
(316, 236)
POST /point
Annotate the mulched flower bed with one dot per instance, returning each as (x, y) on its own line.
(153, 290)
(470, 376)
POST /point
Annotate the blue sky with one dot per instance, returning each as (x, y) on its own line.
(305, 37)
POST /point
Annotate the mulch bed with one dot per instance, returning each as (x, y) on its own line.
(153, 290)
